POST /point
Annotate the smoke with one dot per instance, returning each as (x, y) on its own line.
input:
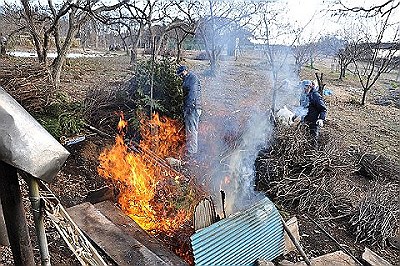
(235, 123)
(239, 190)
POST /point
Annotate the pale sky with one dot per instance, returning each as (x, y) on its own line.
(300, 12)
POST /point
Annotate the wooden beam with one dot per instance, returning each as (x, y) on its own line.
(14, 216)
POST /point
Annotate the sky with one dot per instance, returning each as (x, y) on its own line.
(300, 12)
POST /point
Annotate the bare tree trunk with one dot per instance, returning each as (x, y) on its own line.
(178, 52)
(57, 65)
(364, 96)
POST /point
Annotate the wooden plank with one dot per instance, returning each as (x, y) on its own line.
(121, 247)
(131, 228)
(204, 214)
(374, 259)
(294, 229)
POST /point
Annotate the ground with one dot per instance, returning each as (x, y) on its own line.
(239, 87)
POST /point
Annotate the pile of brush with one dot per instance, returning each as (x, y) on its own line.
(296, 175)
(324, 182)
(29, 84)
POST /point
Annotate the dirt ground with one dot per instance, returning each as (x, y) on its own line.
(240, 87)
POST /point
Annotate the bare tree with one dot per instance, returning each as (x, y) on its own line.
(43, 24)
(377, 57)
(284, 60)
(302, 54)
(350, 53)
(376, 9)
(218, 20)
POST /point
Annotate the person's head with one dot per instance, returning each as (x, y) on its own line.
(307, 85)
(182, 71)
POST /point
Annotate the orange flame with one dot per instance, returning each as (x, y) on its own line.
(150, 194)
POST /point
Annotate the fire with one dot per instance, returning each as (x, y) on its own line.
(156, 197)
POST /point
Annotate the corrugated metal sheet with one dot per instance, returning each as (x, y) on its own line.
(242, 238)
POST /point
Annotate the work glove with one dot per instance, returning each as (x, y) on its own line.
(320, 122)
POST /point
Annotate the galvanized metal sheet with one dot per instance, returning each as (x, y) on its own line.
(25, 144)
(241, 239)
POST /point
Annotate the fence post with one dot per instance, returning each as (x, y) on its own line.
(14, 216)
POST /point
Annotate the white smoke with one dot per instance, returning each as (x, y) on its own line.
(240, 192)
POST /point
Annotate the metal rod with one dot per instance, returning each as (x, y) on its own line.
(295, 242)
(38, 218)
(101, 133)
(334, 240)
(14, 216)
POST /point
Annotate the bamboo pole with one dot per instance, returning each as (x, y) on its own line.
(38, 218)
(14, 216)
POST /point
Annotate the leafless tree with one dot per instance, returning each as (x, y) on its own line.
(284, 60)
(351, 52)
(218, 20)
(302, 54)
(43, 24)
(377, 56)
(376, 9)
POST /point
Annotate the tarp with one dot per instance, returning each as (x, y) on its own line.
(25, 144)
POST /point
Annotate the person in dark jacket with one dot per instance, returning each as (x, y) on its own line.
(191, 107)
(316, 113)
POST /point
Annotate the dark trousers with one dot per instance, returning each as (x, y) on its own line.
(314, 134)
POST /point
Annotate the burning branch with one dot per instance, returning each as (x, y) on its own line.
(156, 196)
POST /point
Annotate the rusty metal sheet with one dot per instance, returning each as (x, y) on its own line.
(25, 144)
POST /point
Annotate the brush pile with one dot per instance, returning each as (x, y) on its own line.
(29, 84)
(101, 104)
(324, 182)
(376, 218)
(297, 175)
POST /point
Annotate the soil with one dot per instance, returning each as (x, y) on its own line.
(239, 87)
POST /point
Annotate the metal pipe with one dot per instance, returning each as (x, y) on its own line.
(34, 197)
(295, 242)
